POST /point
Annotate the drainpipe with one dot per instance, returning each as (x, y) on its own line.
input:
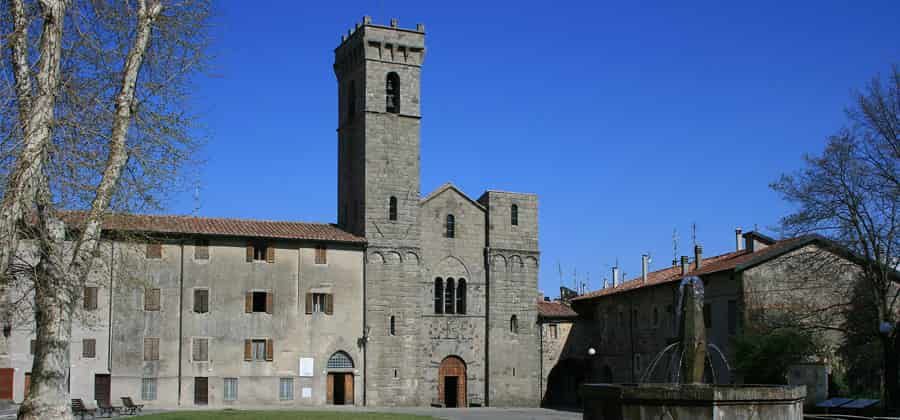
(180, 316)
(112, 256)
(365, 333)
(487, 325)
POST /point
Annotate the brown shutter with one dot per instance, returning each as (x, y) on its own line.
(329, 390)
(155, 349)
(269, 299)
(309, 303)
(249, 252)
(270, 350)
(248, 348)
(248, 302)
(270, 254)
(329, 304)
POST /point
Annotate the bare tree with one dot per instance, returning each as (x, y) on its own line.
(851, 194)
(93, 111)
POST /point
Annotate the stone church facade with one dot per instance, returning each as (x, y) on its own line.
(405, 301)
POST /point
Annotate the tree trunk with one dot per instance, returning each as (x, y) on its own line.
(48, 395)
(891, 392)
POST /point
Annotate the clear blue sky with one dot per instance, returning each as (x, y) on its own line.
(627, 120)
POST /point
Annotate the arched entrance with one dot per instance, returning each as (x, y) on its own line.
(339, 386)
(452, 382)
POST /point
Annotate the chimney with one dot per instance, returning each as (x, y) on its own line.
(685, 266)
(645, 267)
(615, 275)
(738, 245)
(698, 256)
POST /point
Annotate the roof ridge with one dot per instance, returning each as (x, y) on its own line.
(185, 216)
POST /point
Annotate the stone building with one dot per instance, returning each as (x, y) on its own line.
(621, 328)
(555, 320)
(406, 300)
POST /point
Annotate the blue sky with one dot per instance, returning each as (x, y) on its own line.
(628, 119)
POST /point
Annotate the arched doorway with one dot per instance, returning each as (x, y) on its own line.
(452, 382)
(339, 386)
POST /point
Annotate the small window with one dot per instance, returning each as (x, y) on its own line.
(286, 389)
(449, 291)
(392, 93)
(451, 226)
(259, 301)
(321, 254)
(319, 303)
(201, 301)
(259, 252)
(90, 298)
(200, 350)
(707, 315)
(151, 300)
(514, 324)
(340, 360)
(148, 389)
(732, 317)
(32, 346)
(461, 296)
(231, 389)
(201, 249)
(514, 215)
(259, 350)
(89, 348)
(554, 331)
(438, 296)
(392, 208)
(393, 326)
(154, 251)
(151, 349)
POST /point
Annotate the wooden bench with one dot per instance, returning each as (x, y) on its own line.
(80, 410)
(108, 409)
(130, 406)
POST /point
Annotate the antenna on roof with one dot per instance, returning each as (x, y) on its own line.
(674, 245)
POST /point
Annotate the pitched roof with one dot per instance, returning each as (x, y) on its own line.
(555, 310)
(450, 186)
(738, 260)
(189, 225)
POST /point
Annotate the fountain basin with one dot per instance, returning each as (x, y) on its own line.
(700, 401)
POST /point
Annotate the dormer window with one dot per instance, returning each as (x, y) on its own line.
(392, 93)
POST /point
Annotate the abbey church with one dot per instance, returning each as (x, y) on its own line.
(408, 300)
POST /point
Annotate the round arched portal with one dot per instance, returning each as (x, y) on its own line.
(339, 386)
(452, 382)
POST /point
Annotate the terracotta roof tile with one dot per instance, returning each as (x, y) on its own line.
(167, 224)
(555, 310)
(723, 262)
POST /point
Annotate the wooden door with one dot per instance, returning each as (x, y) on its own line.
(329, 389)
(102, 388)
(452, 366)
(348, 389)
(6, 383)
(201, 391)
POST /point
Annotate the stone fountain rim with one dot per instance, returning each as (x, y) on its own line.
(687, 393)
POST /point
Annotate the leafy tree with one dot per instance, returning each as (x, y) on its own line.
(850, 194)
(764, 358)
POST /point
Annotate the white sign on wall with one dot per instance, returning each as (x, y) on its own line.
(306, 366)
(307, 392)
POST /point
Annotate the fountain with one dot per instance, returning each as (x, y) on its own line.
(686, 396)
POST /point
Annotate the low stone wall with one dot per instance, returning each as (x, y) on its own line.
(694, 402)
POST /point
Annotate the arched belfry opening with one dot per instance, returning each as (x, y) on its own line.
(452, 382)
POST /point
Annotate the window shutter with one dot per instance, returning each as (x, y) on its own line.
(248, 302)
(309, 303)
(248, 347)
(269, 299)
(196, 350)
(155, 349)
(270, 254)
(270, 350)
(329, 304)
(249, 252)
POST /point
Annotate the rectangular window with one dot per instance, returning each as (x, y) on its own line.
(554, 331)
(707, 315)
(259, 350)
(201, 301)
(732, 317)
(148, 389)
(231, 389)
(286, 389)
(32, 345)
(89, 348)
(151, 349)
(321, 254)
(154, 251)
(200, 350)
(319, 302)
(259, 252)
(90, 298)
(151, 299)
(201, 249)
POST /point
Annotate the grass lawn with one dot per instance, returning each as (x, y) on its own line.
(279, 415)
